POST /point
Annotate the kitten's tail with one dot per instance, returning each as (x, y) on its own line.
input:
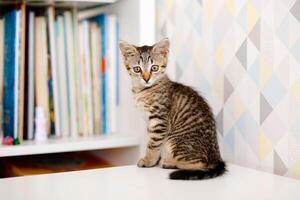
(218, 170)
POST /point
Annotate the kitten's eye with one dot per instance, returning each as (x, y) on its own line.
(136, 69)
(154, 68)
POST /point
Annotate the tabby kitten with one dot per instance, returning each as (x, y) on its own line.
(181, 126)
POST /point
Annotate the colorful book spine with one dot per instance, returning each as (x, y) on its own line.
(11, 75)
(103, 22)
(1, 72)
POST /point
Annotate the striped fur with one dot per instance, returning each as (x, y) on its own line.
(181, 126)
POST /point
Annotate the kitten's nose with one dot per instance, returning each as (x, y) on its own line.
(146, 76)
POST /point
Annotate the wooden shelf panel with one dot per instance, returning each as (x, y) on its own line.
(69, 144)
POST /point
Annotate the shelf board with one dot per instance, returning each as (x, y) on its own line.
(73, 3)
(60, 3)
(68, 145)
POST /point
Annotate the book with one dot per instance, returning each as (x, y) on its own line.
(88, 74)
(21, 78)
(1, 72)
(112, 48)
(81, 90)
(118, 64)
(31, 76)
(82, 100)
(102, 20)
(54, 72)
(69, 44)
(95, 46)
(78, 84)
(50, 83)
(86, 78)
(17, 78)
(41, 68)
(62, 76)
(11, 76)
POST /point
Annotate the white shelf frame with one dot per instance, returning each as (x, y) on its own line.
(69, 145)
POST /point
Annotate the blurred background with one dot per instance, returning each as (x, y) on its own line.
(243, 56)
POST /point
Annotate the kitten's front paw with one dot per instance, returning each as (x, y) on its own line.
(145, 163)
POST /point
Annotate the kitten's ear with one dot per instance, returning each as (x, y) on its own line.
(127, 49)
(162, 47)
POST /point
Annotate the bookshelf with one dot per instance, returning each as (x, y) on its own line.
(136, 20)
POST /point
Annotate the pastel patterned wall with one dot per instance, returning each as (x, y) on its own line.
(244, 57)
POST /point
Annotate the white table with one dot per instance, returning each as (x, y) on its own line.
(130, 182)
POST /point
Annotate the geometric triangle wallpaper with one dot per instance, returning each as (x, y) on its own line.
(243, 56)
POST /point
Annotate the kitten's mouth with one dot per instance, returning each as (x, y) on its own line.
(148, 84)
